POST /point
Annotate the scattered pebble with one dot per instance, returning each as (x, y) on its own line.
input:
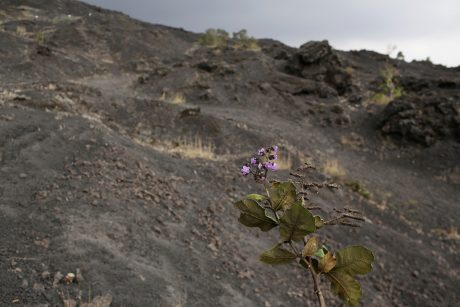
(46, 275)
(69, 278)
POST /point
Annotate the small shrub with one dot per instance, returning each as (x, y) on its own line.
(400, 56)
(214, 38)
(359, 188)
(40, 37)
(389, 87)
(241, 40)
(284, 206)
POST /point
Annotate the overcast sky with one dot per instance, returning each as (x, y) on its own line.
(419, 28)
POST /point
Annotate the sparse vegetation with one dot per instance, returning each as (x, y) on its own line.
(218, 38)
(359, 188)
(195, 148)
(241, 40)
(285, 205)
(187, 147)
(40, 37)
(284, 162)
(450, 234)
(64, 18)
(214, 38)
(389, 87)
(334, 169)
(174, 98)
(21, 30)
(353, 140)
(400, 56)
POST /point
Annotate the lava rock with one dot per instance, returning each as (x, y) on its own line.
(422, 120)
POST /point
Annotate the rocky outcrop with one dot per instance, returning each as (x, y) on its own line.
(422, 120)
(316, 60)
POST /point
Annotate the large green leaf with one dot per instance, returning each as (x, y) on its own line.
(345, 286)
(277, 255)
(354, 260)
(296, 223)
(282, 195)
(253, 215)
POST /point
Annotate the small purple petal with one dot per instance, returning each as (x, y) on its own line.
(270, 166)
(253, 161)
(261, 151)
(275, 148)
(245, 170)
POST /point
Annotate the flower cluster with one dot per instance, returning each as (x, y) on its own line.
(260, 164)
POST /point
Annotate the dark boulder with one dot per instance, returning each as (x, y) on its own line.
(422, 120)
(317, 61)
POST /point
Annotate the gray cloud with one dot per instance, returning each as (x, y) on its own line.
(420, 28)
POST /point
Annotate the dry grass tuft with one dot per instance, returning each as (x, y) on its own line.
(353, 140)
(174, 98)
(334, 169)
(21, 31)
(284, 162)
(188, 148)
(195, 148)
(449, 234)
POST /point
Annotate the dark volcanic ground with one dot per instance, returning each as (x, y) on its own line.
(98, 175)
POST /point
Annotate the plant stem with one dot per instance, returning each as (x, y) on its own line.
(268, 196)
(315, 278)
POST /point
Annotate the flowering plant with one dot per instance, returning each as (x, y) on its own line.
(285, 205)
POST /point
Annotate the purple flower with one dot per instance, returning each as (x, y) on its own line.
(253, 161)
(270, 166)
(261, 151)
(245, 170)
(275, 149)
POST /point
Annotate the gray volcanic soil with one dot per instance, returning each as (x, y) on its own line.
(95, 176)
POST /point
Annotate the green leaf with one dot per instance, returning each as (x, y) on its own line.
(277, 255)
(256, 197)
(296, 223)
(320, 253)
(319, 222)
(282, 195)
(354, 260)
(253, 215)
(345, 286)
